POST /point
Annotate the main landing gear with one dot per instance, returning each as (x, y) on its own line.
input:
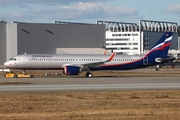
(88, 74)
(157, 67)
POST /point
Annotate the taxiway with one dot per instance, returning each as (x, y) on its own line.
(55, 84)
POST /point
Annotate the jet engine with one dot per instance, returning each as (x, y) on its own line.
(71, 70)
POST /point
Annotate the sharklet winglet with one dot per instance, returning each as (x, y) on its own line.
(111, 57)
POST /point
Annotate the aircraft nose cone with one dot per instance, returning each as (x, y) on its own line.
(7, 64)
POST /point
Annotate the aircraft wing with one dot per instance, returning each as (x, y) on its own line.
(94, 64)
(91, 64)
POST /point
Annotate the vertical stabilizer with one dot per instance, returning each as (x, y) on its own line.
(162, 46)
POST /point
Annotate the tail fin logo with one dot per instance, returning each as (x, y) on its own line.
(162, 45)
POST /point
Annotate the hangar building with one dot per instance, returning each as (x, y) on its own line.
(37, 38)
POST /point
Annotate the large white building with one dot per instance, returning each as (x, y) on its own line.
(130, 38)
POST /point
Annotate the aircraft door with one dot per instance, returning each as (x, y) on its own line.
(23, 59)
(145, 61)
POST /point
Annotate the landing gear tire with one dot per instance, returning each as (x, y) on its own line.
(31, 76)
(24, 72)
(15, 76)
(156, 68)
(89, 75)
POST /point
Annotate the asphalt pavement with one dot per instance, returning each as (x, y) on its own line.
(46, 84)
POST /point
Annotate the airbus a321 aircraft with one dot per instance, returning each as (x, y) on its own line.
(73, 64)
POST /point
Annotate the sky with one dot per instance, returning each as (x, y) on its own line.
(89, 11)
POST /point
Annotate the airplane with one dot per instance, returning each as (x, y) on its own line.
(73, 64)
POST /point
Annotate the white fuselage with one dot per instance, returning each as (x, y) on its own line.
(57, 61)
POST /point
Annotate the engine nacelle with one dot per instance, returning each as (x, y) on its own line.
(71, 70)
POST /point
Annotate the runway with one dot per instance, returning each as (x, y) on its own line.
(56, 84)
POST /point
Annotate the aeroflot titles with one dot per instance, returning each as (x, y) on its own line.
(42, 55)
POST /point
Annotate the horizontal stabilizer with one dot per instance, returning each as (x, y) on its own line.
(165, 59)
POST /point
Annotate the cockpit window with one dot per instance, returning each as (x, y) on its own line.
(14, 59)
